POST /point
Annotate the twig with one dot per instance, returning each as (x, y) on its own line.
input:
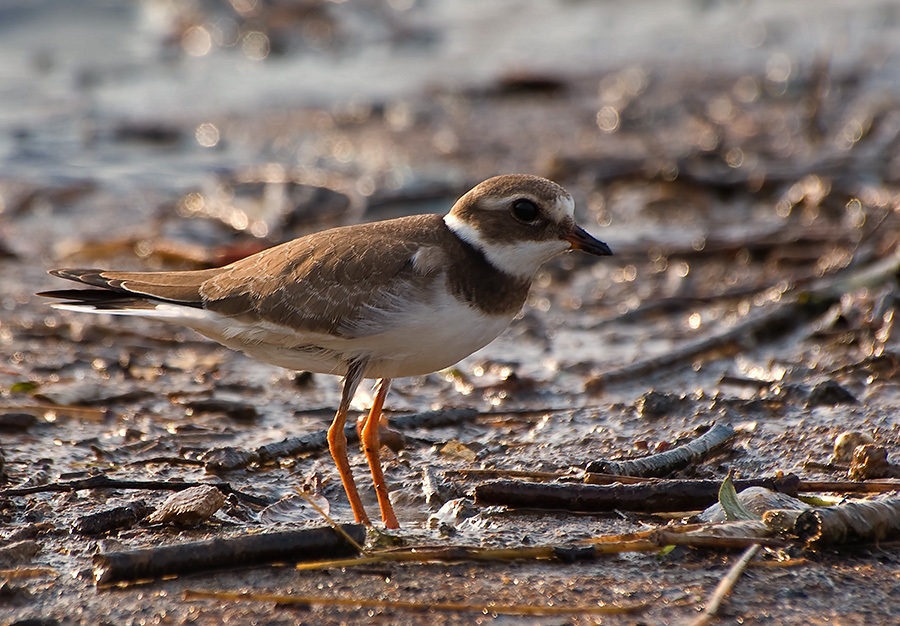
(850, 486)
(669, 461)
(609, 479)
(454, 554)
(725, 586)
(287, 546)
(696, 536)
(101, 481)
(783, 564)
(827, 467)
(170, 460)
(647, 497)
(27, 572)
(85, 412)
(486, 473)
(698, 540)
(334, 525)
(706, 535)
(486, 607)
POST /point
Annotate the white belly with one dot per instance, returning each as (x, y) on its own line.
(424, 339)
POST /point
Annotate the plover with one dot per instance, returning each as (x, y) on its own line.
(401, 297)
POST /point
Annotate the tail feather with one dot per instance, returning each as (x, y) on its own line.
(132, 289)
(96, 299)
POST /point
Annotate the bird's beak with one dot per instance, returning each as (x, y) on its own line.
(582, 240)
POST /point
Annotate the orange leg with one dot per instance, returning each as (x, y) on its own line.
(372, 449)
(337, 441)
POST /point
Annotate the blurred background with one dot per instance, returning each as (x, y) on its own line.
(149, 99)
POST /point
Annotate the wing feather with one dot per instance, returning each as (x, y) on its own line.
(347, 282)
(330, 283)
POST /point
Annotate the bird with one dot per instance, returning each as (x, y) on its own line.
(380, 300)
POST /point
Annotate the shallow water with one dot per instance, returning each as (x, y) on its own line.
(73, 74)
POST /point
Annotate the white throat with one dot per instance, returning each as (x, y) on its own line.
(520, 259)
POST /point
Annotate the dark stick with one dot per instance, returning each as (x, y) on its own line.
(225, 459)
(649, 497)
(101, 481)
(664, 463)
(242, 551)
(803, 486)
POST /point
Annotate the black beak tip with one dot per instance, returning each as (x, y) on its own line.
(601, 249)
(582, 240)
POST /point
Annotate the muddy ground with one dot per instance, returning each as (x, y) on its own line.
(754, 218)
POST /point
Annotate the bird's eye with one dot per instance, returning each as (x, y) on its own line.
(525, 210)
